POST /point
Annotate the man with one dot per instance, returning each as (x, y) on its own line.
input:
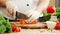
(32, 8)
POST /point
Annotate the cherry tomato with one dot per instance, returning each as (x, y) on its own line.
(35, 22)
(18, 29)
(13, 28)
(22, 21)
(58, 26)
(51, 9)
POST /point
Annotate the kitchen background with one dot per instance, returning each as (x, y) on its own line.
(57, 3)
(52, 2)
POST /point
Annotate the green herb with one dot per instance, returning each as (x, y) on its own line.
(5, 25)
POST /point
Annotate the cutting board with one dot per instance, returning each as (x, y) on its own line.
(38, 25)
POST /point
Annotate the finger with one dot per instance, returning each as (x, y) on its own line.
(26, 21)
(29, 15)
(30, 19)
(33, 19)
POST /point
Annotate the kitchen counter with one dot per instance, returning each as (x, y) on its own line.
(37, 31)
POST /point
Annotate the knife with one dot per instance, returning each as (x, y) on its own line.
(21, 16)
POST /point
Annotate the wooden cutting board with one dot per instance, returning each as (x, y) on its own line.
(38, 25)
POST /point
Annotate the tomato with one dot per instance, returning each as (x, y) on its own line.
(58, 26)
(18, 29)
(35, 22)
(51, 9)
(22, 21)
(13, 28)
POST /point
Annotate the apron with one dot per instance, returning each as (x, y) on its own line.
(25, 5)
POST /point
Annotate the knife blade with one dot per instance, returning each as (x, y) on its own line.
(21, 16)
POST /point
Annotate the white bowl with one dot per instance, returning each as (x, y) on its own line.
(50, 24)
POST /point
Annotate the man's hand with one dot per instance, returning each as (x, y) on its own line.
(33, 15)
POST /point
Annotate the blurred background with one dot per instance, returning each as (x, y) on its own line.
(57, 3)
(52, 2)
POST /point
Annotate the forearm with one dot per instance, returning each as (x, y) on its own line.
(43, 4)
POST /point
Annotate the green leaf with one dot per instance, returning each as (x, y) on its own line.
(58, 9)
(2, 29)
(47, 17)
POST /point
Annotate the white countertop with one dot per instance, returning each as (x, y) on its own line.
(37, 31)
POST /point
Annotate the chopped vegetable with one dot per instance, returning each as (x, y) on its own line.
(22, 21)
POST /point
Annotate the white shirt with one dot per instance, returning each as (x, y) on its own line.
(25, 5)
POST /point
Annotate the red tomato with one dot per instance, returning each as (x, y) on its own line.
(51, 9)
(35, 22)
(22, 21)
(13, 28)
(58, 26)
(18, 29)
